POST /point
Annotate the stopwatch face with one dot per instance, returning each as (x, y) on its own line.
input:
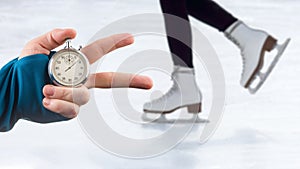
(68, 67)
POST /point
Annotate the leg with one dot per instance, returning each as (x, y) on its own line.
(253, 43)
(181, 52)
(184, 93)
(210, 13)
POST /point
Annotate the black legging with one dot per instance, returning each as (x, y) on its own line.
(206, 11)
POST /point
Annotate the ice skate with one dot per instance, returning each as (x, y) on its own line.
(253, 45)
(183, 94)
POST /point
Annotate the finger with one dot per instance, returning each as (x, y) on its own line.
(45, 43)
(79, 96)
(64, 108)
(97, 49)
(118, 80)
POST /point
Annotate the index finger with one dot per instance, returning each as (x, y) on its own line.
(118, 80)
(99, 48)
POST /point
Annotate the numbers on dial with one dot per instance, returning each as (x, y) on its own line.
(69, 68)
(69, 58)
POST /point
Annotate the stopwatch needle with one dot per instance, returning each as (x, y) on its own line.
(71, 66)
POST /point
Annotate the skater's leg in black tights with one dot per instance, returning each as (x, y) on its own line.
(206, 11)
(210, 13)
(181, 52)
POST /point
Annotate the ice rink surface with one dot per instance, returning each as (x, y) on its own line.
(256, 132)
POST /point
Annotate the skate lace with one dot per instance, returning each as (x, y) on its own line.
(167, 94)
(241, 49)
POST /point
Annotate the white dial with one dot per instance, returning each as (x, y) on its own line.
(68, 67)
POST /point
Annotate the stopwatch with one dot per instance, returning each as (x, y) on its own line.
(68, 67)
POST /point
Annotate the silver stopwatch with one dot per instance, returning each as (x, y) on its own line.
(68, 67)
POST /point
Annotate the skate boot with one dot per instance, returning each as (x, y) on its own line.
(183, 93)
(253, 45)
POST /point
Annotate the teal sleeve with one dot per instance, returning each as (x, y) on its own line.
(21, 96)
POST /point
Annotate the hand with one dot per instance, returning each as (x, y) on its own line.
(65, 101)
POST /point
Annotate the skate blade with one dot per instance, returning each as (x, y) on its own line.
(261, 77)
(163, 119)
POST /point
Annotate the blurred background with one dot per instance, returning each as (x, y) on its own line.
(260, 131)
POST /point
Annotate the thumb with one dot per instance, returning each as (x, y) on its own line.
(45, 43)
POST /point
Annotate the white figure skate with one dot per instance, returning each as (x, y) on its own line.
(253, 45)
(183, 93)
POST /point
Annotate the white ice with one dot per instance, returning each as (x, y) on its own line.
(260, 131)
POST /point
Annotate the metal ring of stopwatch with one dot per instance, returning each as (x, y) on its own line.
(68, 48)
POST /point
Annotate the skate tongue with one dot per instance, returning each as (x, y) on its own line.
(181, 69)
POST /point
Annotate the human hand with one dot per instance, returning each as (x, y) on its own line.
(66, 101)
